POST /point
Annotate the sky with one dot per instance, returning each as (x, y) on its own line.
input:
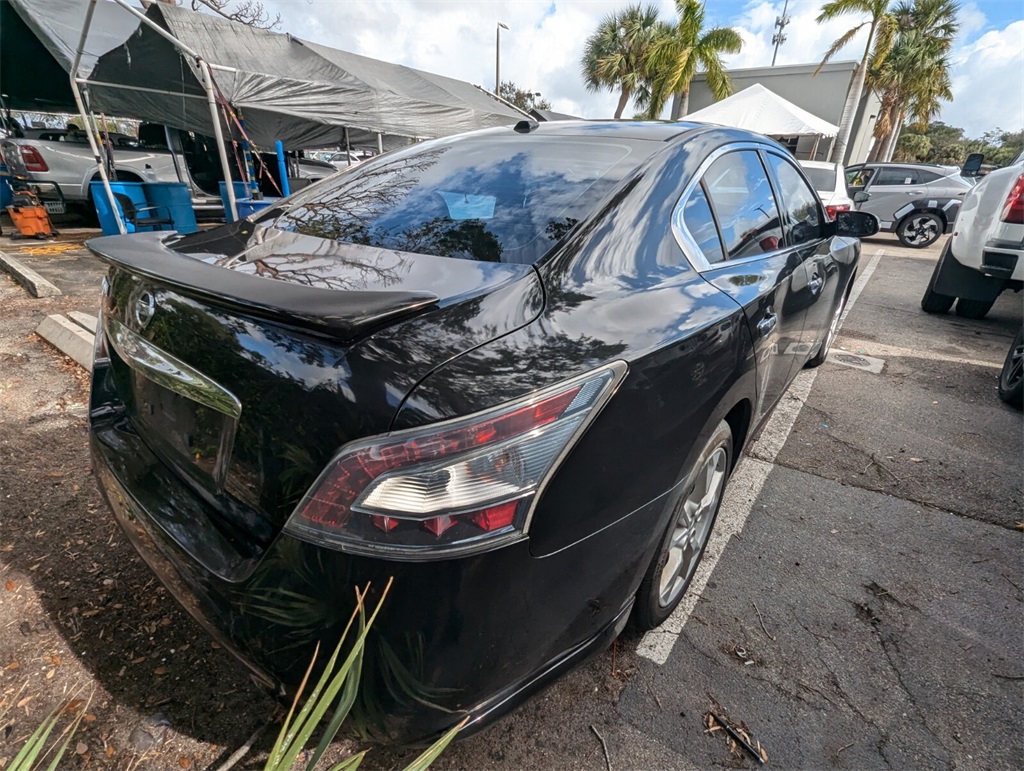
(541, 49)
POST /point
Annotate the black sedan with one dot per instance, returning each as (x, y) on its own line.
(512, 369)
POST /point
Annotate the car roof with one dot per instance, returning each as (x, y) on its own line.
(819, 164)
(655, 131)
(910, 165)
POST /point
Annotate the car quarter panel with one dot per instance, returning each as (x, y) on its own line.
(620, 288)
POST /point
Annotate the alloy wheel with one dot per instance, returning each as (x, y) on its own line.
(692, 527)
(921, 230)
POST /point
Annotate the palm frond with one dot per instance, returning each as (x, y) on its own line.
(838, 44)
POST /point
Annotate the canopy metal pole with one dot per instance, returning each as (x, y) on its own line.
(348, 149)
(814, 150)
(100, 166)
(380, 142)
(206, 74)
(211, 99)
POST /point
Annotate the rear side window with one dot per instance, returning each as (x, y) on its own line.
(924, 176)
(491, 198)
(700, 223)
(896, 177)
(803, 214)
(822, 179)
(742, 197)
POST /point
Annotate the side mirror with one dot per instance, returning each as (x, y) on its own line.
(856, 223)
(860, 196)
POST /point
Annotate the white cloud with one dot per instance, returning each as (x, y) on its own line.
(988, 83)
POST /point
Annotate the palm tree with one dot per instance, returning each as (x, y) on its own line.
(615, 56)
(680, 50)
(881, 31)
(914, 78)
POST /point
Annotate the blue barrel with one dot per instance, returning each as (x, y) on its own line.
(108, 221)
(247, 206)
(174, 201)
(241, 191)
(5, 187)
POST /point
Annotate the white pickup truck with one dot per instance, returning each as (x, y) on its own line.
(159, 155)
(985, 254)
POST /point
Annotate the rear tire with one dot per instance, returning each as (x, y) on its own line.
(973, 309)
(920, 229)
(1011, 379)
(683, 544)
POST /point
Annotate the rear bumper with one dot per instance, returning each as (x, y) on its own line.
(981, 282)
(473, 636)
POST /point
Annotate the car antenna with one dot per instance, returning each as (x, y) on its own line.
(526, 126)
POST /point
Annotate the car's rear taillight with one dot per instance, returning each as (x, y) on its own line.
(833, 208)
(32, 159)
(455, 487)
(1013, 209)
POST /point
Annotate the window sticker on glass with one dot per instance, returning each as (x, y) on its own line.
(463, 206)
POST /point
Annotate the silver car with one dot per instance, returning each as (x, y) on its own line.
(918, 202)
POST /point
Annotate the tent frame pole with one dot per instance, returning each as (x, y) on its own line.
(91, 124)
(169, 37)
(206, 73)
(225, 165)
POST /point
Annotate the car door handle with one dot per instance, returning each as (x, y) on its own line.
(915, 192)
(767, 324)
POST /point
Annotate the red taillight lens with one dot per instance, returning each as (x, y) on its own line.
(32, 159)
(1013, 209)
(465, 485)
(832, 209)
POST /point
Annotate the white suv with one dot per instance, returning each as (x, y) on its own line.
(985, 254)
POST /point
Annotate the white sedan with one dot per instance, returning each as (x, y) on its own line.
(829, 181)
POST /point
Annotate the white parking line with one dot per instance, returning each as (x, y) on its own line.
(744, 488)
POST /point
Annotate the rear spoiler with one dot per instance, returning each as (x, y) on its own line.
(343, 316)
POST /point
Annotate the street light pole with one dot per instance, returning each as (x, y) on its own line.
(497, 57)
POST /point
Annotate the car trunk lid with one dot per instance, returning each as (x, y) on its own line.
(244, 358)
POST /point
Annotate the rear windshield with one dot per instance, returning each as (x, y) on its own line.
(821, 179)
(494, 199)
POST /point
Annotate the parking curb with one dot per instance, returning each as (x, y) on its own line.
(36, 284)
(69, 337)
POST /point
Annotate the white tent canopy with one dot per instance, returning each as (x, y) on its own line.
(758, 109)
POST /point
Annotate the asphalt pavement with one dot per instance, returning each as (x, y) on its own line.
(861, 603)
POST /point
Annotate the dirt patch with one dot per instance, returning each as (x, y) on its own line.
(79, 611)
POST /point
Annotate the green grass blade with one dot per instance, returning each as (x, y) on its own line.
(279, 747)
(299, 732)
(30, 752)
(70, 731)
(348, 698)
(350, 764)
(317, 707)
(433, 751)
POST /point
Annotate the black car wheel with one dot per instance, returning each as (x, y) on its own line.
(683, 544)
(1011, 379)
(973, 309)
(919, 230)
